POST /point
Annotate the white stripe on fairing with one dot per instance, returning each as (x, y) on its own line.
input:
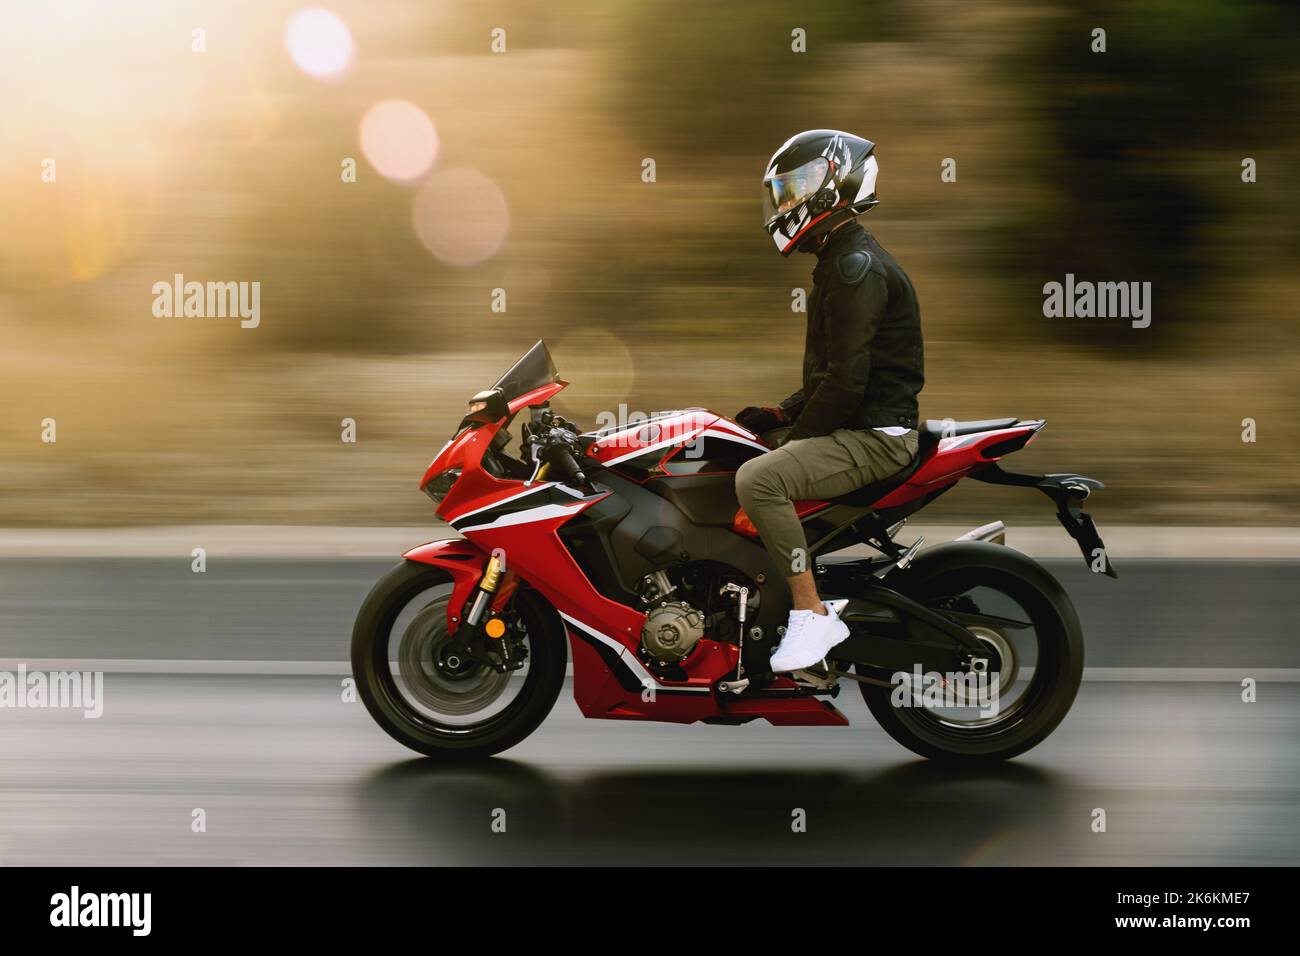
(685, 439)
(627, 657)
(734, 438)
(572, 492)
(657, 446)
(961, 441)
(540, 513)
(614, 430)
(619, 430)
(655, 419)
(500, 501)
(726, 423)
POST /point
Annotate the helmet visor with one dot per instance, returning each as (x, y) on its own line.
(783, 191)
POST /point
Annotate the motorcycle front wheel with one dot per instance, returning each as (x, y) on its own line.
(428, 699)
(1035, 658)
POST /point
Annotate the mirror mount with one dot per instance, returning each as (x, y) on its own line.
(489, 405)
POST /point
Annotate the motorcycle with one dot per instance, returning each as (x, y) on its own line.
(628, 544)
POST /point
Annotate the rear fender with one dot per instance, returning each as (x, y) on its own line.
(1068, 493)
(961, 554)
(933, 639)
(464, 563)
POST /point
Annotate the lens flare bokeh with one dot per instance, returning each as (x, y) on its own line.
(399, 140)
(320, 43)
(461, 216)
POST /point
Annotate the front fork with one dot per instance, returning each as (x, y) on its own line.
(482, 636)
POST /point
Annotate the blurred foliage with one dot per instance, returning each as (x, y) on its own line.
(717, 82)
(1143, 146)
(1122, 166)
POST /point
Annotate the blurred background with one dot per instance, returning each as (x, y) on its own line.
(221, 155)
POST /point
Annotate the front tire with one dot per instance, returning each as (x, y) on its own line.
(965, 568)
(461, 734)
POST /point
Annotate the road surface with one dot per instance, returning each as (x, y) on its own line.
(287, 773)
(1169, 613)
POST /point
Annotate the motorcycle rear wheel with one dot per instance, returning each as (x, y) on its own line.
(410, 714)
(1044, 698)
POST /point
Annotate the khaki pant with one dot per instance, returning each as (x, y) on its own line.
(813, 468)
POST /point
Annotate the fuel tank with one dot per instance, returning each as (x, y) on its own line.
(692, 441)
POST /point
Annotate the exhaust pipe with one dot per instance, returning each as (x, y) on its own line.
(994, 532)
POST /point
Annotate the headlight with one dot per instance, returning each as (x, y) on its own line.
(438, 488)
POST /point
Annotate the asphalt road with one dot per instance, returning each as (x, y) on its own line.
(287, 773)
(1165, 613)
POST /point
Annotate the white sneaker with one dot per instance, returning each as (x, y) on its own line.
(809, 637)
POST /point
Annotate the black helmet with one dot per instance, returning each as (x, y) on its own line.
(815, 181)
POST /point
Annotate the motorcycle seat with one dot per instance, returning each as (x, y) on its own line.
(931, 431)
(944, 428)
(868, 495)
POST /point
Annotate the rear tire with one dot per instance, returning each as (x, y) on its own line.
(1058, 670)
(422, 732)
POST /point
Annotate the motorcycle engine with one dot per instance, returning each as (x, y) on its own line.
(682, 605)
(671, 630)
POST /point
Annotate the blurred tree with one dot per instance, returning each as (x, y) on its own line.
(1126, 138)
(719, 81)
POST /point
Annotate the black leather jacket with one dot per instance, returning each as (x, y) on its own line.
(863, 363)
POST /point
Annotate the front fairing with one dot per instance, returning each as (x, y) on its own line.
(466, 449)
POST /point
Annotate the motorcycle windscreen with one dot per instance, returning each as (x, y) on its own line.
(534, 370)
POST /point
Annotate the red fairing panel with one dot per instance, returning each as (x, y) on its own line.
(462, 560)
(651, 442)
(609, 679)
(942, 465)
(953, 459)
(537, 396)
(802, 509)
(465, 449)
(519, 522)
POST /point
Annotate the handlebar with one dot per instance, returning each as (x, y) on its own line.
(556, 443)
(563, 465)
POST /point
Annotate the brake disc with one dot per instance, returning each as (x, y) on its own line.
(438, 680)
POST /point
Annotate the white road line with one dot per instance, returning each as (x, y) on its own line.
(1124, 542)
(131, 666)
(1161, 675)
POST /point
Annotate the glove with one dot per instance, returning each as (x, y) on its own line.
(760, 418)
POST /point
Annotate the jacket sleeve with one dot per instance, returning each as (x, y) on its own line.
(792, 407)
(854, 313)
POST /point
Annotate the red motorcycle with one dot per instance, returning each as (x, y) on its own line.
(630, 542)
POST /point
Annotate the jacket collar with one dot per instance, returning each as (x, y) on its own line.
(840, 239)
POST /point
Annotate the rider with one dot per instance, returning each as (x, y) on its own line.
(854, 421)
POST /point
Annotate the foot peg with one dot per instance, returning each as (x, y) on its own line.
(903, 559)
(819, 679)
